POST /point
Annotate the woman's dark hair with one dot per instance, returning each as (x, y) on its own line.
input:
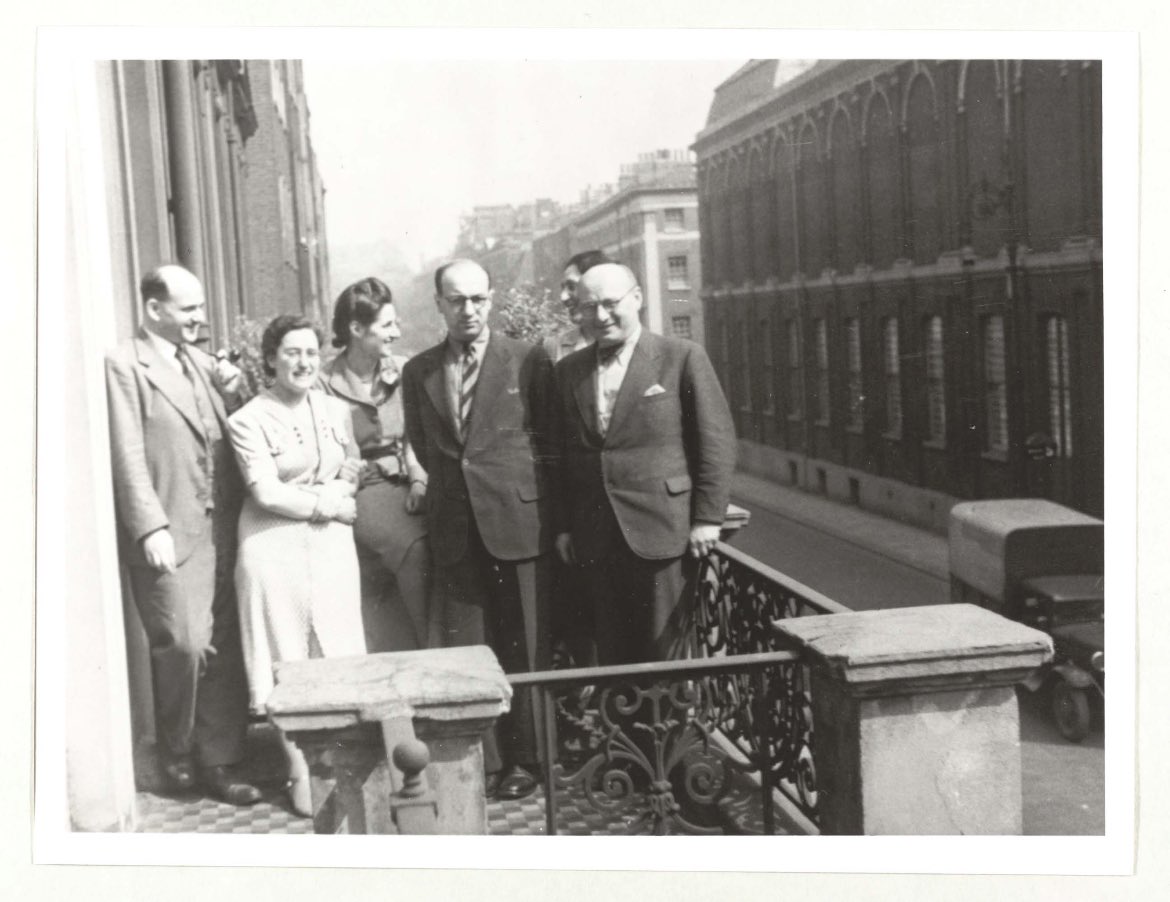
(275, 332)
(360, 302)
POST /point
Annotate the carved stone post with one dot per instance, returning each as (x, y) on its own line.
(348, 715)
(915, 718)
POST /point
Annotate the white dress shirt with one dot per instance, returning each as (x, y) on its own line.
(610, 374)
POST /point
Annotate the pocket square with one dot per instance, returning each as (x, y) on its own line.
(514, 391)
(653, 390)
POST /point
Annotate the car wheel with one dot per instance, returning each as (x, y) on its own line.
(1070, 710)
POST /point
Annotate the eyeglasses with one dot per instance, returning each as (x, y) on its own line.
(458, 300)
(609, 305)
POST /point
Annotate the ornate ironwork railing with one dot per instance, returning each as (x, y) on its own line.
(639, 744)
(682, 745)
(768, 718)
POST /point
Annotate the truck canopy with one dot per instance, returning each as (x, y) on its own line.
(996, 544)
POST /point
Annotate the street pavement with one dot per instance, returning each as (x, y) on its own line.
(867, 562)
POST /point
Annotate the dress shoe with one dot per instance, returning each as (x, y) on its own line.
(517, 783)
(222, 784)
(300, 796)
(178, 773)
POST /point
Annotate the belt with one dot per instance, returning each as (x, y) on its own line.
(375, 453)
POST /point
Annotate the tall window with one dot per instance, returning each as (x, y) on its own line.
(1059, 401)
(675, 220)
(995, 384)
(855, 415)
(676, 273)
(822, 349)
(936, 398)
(892, 368)
(768, 390)
(795, 372)
(680, 326)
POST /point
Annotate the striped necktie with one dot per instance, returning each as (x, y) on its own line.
(470, 374)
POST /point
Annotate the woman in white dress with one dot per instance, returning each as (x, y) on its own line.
(297, 571)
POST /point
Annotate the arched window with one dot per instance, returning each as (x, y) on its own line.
(994, 384)
(786, 234)
(936, 395)
(892, 370)
(985, 158)
(813, 224)
(925, 169)
(846, 195)
(881, 154)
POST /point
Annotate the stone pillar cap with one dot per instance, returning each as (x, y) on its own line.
(931, 647)
(449, 684)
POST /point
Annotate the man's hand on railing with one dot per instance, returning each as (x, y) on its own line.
(703, 539)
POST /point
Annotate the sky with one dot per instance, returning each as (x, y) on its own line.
(405, 146)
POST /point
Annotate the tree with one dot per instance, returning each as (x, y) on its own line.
(529, 313)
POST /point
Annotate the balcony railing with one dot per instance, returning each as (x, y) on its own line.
(696, 745)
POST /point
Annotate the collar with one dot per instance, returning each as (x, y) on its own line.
(455, 348)
(624, 351)
(166, 349)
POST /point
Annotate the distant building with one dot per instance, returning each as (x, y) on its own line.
(902, 277)
(650, 223)
(285, 198)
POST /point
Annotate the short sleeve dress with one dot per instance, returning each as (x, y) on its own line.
(297, 581)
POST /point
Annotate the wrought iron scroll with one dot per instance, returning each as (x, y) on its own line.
(767, 715)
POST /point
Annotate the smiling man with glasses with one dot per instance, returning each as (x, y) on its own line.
(652, 448)
(479, 411)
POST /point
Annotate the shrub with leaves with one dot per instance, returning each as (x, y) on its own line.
(529, 313)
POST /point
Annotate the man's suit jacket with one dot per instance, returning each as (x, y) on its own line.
(159, 450)
(666, 460)
(501, 476)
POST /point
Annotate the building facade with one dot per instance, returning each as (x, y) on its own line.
(140, 163)
(902, 277)
(651, 224)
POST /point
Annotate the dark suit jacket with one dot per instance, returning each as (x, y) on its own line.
(159, 450)
(501, 476)
(666, 461)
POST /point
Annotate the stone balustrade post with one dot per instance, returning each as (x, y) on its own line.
(915, 718)
(350, 715)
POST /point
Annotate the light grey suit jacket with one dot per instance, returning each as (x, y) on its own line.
(159, 450)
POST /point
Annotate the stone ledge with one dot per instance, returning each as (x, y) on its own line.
(932, 649)
(450, 684)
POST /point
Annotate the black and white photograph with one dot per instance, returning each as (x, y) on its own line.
(455, 438)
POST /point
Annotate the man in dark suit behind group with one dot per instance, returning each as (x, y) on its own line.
(178, 496)
(479, 410)
(647, 456)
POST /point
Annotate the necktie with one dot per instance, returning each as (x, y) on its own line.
(211, 430)
(470, 373)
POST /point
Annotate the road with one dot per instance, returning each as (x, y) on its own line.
(1063, 782)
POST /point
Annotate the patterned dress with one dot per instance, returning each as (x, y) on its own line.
(297, 581)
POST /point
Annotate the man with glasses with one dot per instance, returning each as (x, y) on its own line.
(648, 454)
(479, 410)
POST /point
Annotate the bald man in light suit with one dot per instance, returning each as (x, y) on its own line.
(178, 494)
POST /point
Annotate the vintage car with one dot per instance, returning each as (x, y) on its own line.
(1043, 565)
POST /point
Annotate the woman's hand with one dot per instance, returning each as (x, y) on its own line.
(346, 511)
(416, 500)
(339, 488)
(352, 469)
